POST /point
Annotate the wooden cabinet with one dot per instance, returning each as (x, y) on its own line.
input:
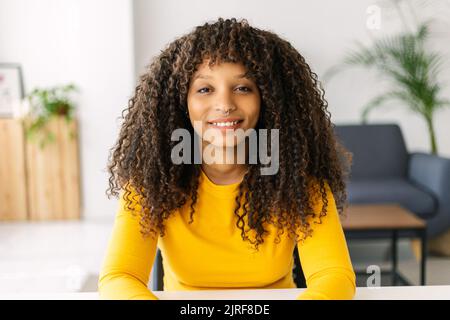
(13, 186)
(50, 183)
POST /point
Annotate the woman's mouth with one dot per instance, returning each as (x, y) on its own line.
(225, 123)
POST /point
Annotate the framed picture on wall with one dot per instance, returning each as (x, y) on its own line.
(11, 89)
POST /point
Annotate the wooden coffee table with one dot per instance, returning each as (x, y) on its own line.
(388, 220)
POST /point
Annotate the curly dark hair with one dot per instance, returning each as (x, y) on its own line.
(292, 100)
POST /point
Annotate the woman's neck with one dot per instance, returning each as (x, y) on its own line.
(223, 174)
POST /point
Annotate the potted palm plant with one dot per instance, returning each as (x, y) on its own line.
(412, 69)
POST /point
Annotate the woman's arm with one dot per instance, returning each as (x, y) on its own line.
(128, 261)
(325, 258)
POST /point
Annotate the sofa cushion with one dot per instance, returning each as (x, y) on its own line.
(399, 191)
(378, 150)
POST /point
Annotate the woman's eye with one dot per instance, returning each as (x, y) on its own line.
(244, 89)
(202, 90)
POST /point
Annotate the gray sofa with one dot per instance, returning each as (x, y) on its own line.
(383, 171)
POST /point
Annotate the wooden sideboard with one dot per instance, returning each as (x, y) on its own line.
(13, 182)
(39, 183)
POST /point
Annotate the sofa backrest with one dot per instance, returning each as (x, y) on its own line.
(378, 150)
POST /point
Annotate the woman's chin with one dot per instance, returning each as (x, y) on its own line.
(227, 141)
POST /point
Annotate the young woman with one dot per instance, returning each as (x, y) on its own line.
(228, 224)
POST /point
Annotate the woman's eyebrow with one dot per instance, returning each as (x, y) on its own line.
(201, 76)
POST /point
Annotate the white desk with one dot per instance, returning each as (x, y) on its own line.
(383, 293)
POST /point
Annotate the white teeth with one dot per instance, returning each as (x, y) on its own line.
(225, 124)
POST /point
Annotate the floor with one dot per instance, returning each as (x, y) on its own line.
(67, 256)
(51, 256)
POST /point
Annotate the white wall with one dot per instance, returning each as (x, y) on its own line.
(91, 44)
(321, 30)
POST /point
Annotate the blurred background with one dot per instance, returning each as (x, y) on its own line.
(68, 68)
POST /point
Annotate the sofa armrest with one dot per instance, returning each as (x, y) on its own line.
(432, 173)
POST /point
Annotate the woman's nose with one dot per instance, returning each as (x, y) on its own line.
(226, 110)
(225, 103)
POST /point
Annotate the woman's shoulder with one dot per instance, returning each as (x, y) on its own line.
(317, 186)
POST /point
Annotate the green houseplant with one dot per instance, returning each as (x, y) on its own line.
(410, 67)
(46, 104)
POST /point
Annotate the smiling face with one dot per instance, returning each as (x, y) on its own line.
(221, 100)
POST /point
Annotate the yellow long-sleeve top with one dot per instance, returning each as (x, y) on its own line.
(209, 254)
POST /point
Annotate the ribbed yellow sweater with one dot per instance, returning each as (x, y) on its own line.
(209, 254)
